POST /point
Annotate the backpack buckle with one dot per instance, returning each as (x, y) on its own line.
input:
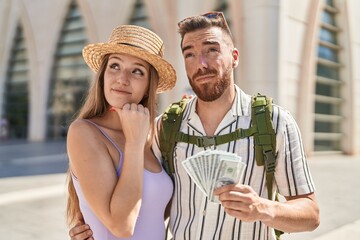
(270, 161)
(205, 141)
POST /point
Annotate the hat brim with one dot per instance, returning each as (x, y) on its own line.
(94, 53)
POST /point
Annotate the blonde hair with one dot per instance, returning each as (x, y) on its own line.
(96, 105)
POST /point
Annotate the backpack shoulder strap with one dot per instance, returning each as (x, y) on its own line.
(264, 138)
(170, 126)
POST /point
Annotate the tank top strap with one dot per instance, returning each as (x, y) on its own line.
(113, 142)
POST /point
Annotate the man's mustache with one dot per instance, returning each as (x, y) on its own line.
(201, 73)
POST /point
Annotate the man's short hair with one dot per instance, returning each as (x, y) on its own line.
(207, 20)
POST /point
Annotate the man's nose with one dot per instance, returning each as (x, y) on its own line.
(202, 62)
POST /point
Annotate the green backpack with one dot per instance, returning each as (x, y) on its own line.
(261, 129)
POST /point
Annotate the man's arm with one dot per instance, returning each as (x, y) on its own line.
(81, 231)
(299, 213)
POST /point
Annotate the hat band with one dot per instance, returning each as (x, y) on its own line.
(132, 45)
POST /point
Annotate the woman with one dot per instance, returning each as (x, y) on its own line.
(120, 186)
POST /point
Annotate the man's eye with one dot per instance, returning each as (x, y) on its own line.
(213, 50)
(188, 55)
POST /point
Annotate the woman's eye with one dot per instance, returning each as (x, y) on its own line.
(114, 66)
(138, 72)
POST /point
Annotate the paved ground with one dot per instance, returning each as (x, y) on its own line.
(20, 158)
(337, 183)
(32, 206)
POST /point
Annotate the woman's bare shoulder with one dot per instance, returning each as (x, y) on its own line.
(82, 132)
(82, 127)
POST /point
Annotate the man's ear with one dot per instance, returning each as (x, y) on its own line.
(235, 55)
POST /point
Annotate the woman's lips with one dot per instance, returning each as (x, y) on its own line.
(121, 91)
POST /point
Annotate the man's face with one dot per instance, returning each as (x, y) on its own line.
(209, 60)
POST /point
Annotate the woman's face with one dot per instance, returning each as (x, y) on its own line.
(126, 79)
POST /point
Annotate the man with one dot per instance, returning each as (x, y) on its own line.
(218, 108)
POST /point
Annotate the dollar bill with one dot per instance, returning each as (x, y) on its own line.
(211, 169)
(229, 172)
(191, 169)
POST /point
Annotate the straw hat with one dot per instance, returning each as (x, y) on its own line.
(136, 41)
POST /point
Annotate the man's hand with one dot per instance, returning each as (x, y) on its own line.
(298, 214)
(242, 202)
(81, 231)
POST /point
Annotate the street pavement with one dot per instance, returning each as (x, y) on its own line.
(337, 189)
(21, 158)
(33, 199)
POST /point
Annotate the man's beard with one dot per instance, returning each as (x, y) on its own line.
(211, 91)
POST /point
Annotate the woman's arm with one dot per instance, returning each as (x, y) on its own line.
(115, 201)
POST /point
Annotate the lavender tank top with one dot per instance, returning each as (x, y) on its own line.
(157, 191)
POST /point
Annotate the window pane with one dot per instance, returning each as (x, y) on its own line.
(19, 54)
(327, 53)
(19, 77)
(73, 36)
(323, 108)
(326, 127)
(327, 145)
(327, 90)
(328, 72)
(327, 17)
(327, 36)
(70, 49)
(75, 24)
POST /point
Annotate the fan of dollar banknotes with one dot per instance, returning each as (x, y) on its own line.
(211, 169)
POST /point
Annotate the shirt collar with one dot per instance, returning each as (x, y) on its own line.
(241, 104)
(240, 107)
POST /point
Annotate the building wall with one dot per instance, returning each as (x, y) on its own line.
(277, 41)
(352, 43)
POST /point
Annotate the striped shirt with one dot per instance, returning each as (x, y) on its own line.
(193, 216)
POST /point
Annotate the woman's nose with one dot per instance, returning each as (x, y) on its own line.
(122, 78)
